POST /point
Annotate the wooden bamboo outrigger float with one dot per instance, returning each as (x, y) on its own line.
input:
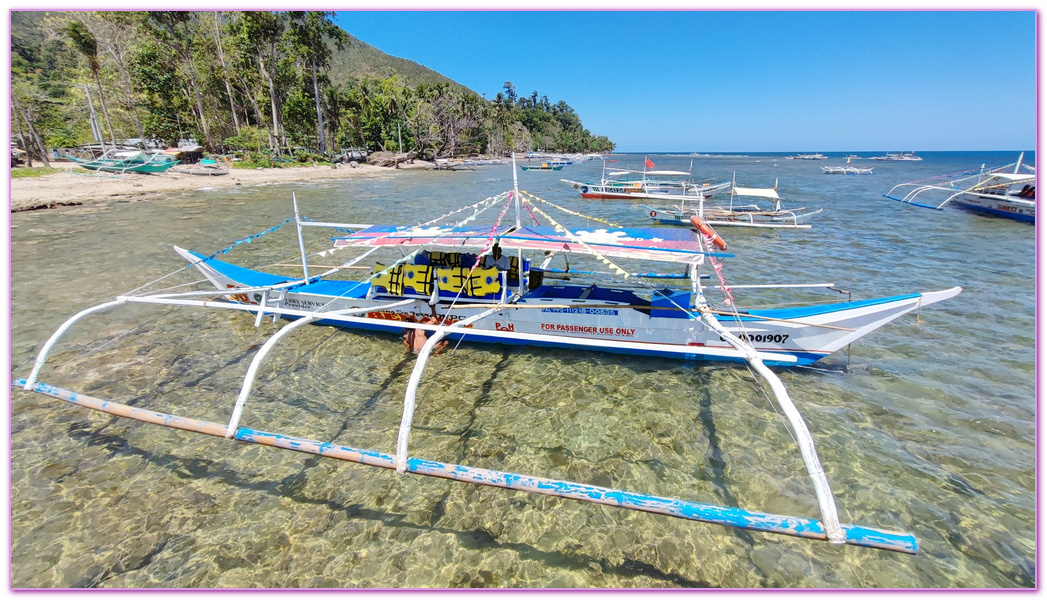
(702, 331)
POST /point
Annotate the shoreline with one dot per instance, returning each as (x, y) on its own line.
(73, 189)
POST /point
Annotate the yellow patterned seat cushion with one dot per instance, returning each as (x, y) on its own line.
(451, 279)
(483, 282)
(418, 278)
(391, 280)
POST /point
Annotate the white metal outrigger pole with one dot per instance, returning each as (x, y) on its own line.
(301, 242)
(826, 504)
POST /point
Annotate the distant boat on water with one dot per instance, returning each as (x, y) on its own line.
(542, 167)
(846, 170)
(898, 156)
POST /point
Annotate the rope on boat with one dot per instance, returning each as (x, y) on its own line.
(246, 240)
(558, 227)
(476, 263)
(568, 211)
(530, 212)
(728, 297)
(478, 209)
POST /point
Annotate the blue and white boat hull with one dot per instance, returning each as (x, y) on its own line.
(604, 320)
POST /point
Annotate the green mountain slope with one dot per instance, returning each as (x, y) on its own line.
(361, 59)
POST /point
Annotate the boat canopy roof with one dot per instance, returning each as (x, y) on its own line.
(656, 244)
(675, 173)
(1013, 177)
(759, 192)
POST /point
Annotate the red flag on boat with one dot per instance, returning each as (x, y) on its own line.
(647, 161)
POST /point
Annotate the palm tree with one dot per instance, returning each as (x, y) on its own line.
(86, 44)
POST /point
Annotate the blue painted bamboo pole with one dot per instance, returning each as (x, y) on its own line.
(721, 515)
(913, 203)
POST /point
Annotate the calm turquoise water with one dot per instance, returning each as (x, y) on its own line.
(926, 426)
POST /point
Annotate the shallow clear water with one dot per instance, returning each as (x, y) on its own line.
(925, 426)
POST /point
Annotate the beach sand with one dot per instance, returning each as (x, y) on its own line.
(70, 188)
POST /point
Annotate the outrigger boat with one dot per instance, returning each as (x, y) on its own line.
(122, 161)
(898, 157)
(438, 272)
(846, 170)
(543, 167)
(995, 192)
(647, 184)
(754, 215)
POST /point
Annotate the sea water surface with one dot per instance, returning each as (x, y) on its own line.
(926, 425)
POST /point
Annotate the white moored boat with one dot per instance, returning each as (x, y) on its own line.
(430, 280)
(846, 170)
(647, 184)
(763, 210)
(897, 157)
(995, 192)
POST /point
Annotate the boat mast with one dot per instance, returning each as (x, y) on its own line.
(1018, 164)
(301, 242)
(519, 251)
(731, 205)
(516, 192)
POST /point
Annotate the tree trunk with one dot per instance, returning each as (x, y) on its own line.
(319, 113)
(270, 77)
(272, 103)
(21, 136)
(225, 78)
(105, 110)
(32, 132)
(261, 118)
(117, 55)
(208, 142)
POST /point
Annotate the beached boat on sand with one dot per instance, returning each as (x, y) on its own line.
(446, 278)
(122, 161)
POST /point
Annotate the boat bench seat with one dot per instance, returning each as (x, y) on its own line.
(403, 280)
(457, 259)
(417, 281)
(482, 284)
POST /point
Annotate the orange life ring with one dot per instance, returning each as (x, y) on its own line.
(705, 229)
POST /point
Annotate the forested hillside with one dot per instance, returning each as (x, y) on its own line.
(260, 81)
(359, 60)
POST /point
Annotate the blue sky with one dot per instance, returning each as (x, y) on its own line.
(748, 80)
